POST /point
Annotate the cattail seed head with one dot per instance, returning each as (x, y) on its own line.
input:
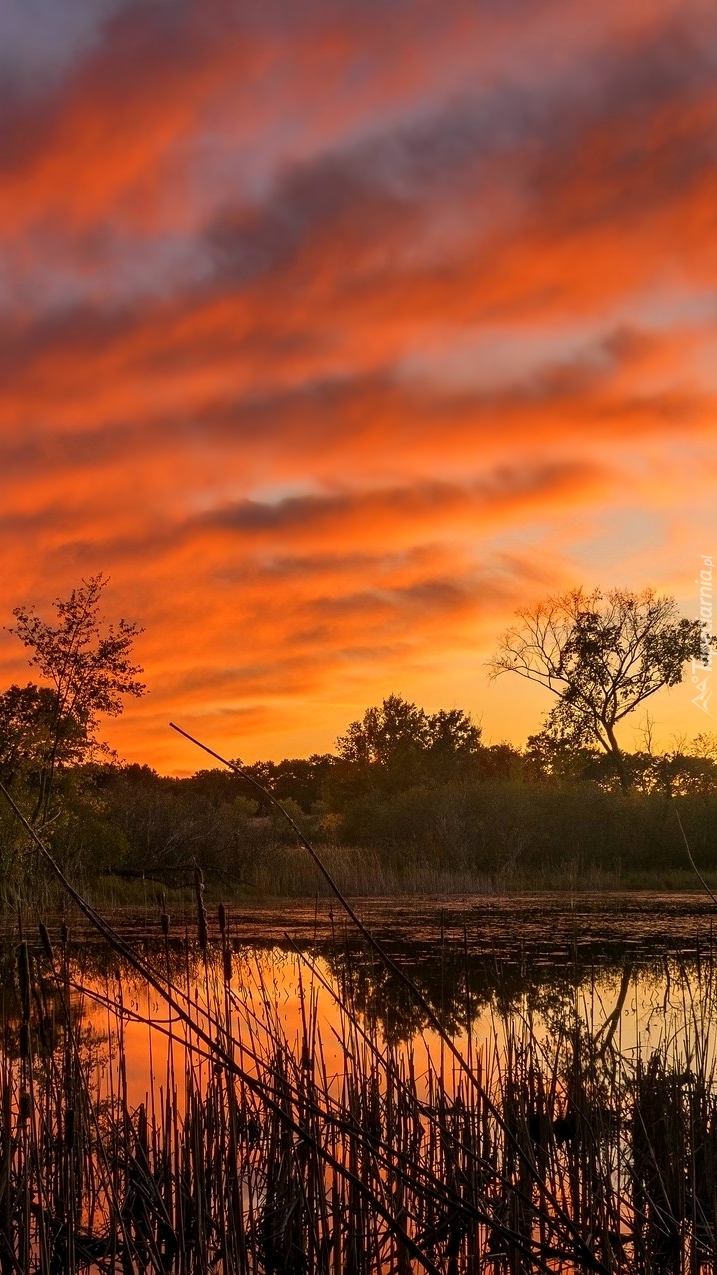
(46, 944)
(201, 910)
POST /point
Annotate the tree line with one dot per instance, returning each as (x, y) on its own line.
(406, 784)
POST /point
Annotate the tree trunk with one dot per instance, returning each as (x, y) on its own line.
(616, 753)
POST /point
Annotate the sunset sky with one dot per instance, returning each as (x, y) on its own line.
(333, 331)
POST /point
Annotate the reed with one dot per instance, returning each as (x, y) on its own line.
(257, 1150)
(553, 1150)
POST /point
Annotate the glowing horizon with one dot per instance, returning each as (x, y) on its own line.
(335, 334)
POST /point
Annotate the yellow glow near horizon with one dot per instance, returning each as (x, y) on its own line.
(333, 336)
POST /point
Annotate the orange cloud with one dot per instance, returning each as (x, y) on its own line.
(333, 335)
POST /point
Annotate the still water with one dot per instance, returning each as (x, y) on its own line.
(484, 965)
(263, 1093)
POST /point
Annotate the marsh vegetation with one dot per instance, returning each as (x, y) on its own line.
(187, 1101)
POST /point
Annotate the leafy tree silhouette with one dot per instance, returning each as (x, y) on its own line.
(89, 667)
(602, 655)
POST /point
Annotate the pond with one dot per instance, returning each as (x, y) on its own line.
(500, 1084)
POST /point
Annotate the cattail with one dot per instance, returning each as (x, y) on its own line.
(64, 934)
(201, 910)
(25, 1106)
(46, 944)
(23, 978)
(70, 1127)
(222, 919)
(143, 1130)
(24, 1040)
(227, 965)
(164, 922)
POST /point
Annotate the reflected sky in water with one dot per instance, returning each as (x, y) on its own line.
(635, 971)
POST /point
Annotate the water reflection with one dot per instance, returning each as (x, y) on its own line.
(287, 1106)
(472, 963)
(482, 985)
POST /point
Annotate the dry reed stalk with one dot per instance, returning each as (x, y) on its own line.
(270, 1165)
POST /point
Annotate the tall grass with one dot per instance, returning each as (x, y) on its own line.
(551, 1149)
(558, 1145)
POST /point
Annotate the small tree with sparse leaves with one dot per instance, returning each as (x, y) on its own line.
(89, 667)
(601, 655)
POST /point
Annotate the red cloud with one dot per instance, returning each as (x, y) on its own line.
(333, 334)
